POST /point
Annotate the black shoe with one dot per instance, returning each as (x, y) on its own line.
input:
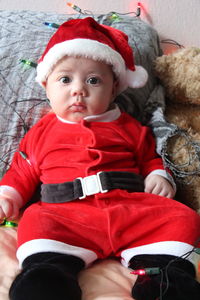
(176, 281)
(48, 276)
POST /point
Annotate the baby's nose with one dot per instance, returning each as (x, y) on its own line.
(78, 89)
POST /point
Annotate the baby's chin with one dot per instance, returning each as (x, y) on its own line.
(76, 117)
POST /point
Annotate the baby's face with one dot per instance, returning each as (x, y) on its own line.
(80, 87)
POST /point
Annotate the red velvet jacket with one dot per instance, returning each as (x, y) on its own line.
(60, 152)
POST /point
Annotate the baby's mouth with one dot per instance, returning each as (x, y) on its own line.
(77, 107)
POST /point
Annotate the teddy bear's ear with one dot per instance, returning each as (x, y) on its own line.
(162, 65)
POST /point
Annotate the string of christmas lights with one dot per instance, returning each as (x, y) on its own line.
(79, 10)
(164, 271)
(171, 42)
(112, 16)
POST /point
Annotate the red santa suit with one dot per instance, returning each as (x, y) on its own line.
(116, 223)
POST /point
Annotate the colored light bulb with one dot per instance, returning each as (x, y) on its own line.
(28, 63)
(138, 12)
(75, 7)
(146, 271)
(53, 25)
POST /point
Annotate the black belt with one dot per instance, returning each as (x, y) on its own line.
(102, 182)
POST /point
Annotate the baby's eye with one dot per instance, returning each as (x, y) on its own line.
(65, 79)
(93, 80)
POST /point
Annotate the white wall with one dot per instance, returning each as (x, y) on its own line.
(173, 19)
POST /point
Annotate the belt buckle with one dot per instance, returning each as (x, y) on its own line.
(91, 185)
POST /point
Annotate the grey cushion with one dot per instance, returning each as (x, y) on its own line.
(22, 101)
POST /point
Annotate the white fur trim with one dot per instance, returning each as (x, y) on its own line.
(80, 47)
(94, 50)
(166, 248)
(45, 245)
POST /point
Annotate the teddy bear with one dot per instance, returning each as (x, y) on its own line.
(179, 73)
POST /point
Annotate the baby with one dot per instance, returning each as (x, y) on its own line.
(104, 190)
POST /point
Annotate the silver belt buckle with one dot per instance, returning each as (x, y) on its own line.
(91, 185)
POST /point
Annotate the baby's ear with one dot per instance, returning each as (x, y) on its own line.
(115, 88)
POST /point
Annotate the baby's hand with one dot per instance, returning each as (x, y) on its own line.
(8, 208)
(156, 184)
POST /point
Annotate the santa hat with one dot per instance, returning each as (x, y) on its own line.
(87, 38)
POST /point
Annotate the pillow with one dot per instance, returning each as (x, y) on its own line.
(22, 101)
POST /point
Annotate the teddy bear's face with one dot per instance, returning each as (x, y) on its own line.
(179, 73)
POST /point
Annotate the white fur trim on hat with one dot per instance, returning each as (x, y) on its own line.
(97, 51)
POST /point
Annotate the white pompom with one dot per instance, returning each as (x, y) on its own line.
(137, 78)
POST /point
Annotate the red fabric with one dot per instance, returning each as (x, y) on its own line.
(61, 152)
(88, 28)
(105, 223)
(110, 223)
